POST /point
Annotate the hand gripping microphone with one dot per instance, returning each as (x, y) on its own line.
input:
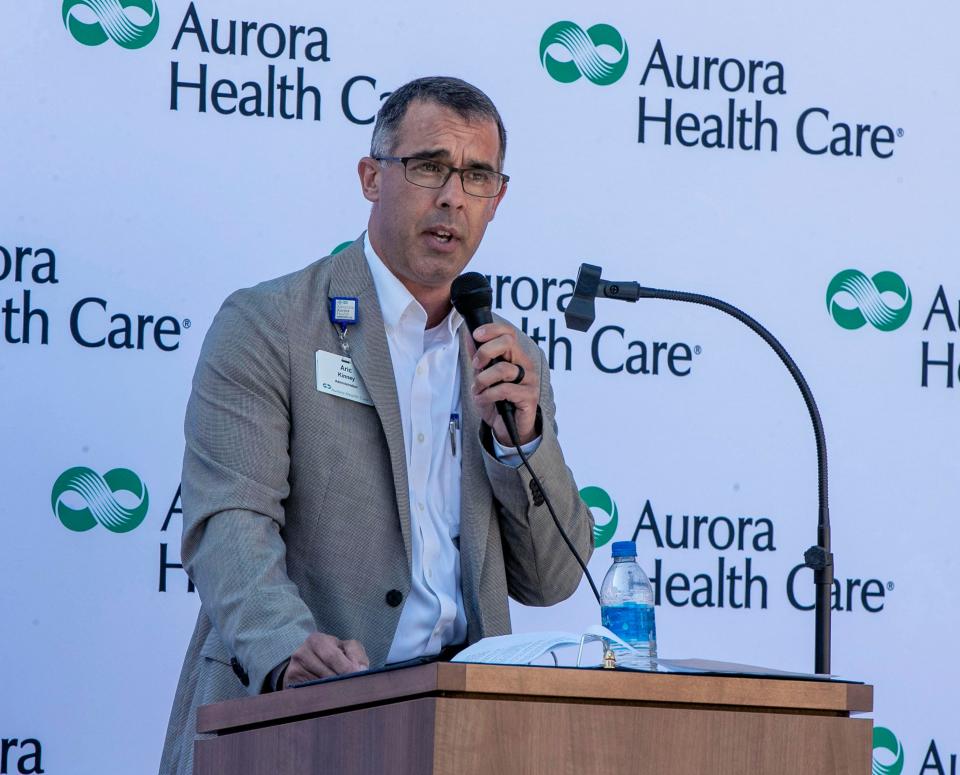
(472, 297)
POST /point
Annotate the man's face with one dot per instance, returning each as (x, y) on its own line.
(408, 223)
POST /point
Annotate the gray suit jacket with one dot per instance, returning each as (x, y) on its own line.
(295, 504)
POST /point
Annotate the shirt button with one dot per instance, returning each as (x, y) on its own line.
(420, 506)
(419, 369)
(420, 437)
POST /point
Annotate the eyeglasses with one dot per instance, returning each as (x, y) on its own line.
(429, 173)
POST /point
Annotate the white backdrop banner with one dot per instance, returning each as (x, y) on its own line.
(797, 161)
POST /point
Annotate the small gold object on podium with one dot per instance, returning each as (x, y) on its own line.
(609, 660)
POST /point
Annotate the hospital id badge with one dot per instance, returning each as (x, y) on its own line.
(337, 376)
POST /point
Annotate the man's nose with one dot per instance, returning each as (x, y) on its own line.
(451, 194)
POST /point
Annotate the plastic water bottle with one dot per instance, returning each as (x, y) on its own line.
(626, 605)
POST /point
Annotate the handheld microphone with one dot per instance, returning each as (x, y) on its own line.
(472, 297)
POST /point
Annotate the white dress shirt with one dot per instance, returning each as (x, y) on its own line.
(426, 365)
(427, 372)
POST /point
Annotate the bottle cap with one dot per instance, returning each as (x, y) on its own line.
(624, 549)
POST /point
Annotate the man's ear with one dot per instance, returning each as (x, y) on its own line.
(369, 171)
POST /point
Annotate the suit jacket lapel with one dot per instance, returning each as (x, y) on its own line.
(474, 506)
(350, 276)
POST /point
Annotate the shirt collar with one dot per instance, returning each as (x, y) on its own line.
(394, 297)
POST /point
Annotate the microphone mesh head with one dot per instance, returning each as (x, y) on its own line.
(471, 291)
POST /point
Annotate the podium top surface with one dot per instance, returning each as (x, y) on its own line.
(542, 684)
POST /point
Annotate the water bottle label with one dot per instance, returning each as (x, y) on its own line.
(633, 622)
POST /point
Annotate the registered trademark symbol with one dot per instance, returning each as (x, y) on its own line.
(697, 349)
(899, 133)
(889, 586)
(187, 323)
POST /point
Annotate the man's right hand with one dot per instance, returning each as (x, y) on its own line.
(322, 656)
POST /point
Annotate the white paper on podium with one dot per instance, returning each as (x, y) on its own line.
(523, 648)
(734, 668)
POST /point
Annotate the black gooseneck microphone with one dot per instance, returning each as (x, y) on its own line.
(472, 297)
(579, 316)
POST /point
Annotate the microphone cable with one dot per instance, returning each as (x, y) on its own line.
(541, 491)
(472, 297)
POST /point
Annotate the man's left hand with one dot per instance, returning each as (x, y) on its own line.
(497, 382)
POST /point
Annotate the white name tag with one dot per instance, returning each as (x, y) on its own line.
(337, 376)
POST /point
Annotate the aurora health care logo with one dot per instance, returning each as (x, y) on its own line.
(887, 752)
(81, 499)
(871, 299)
(92, 22)
(583, 53)
(598, 498)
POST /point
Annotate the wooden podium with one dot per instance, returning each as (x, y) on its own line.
(464, 719)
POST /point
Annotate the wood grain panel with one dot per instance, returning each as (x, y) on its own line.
(372, 741)
(479, 732)
(317, 699)
(808, 696)
(530, 738)
(537, 683)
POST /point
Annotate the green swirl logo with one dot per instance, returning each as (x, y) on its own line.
(585, 57)
(869, 304)
(111, 21)
(598, 498)
(885, 740)
(98, 494)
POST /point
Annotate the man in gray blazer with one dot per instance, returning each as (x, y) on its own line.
(334, 527)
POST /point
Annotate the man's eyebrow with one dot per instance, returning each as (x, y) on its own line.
(444, 155)
(434, 153)
(480, 165)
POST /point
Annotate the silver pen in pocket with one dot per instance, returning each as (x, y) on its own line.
(453, 427)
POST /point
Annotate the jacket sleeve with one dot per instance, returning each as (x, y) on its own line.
(235, 479)
(540, 568)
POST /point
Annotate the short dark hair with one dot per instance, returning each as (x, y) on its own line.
(459, 96)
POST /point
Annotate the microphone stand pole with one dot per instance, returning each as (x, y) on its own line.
(580, 315)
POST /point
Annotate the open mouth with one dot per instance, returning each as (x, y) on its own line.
(442, 235)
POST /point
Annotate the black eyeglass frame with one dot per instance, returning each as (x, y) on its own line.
(450, 170)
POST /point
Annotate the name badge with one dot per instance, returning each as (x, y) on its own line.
(337, 376)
